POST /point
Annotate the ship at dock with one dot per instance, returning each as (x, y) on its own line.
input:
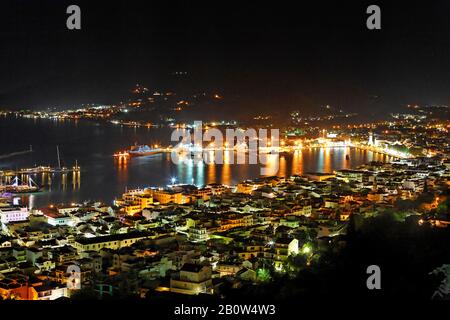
(139, 151)
(18, 188)
(143, 150)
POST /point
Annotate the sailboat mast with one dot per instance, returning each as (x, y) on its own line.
(59, 160)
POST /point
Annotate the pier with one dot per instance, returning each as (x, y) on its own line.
(18, 153)
(385, 151)
(38, 169)
(276, 149)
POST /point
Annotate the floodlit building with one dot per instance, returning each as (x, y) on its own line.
(192, 279)
(13, 214)
(114, 242)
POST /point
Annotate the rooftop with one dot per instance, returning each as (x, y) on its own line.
(115, 237)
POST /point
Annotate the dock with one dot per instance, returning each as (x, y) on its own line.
(38, 169)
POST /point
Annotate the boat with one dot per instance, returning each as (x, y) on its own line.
(16, 188)
(121, 154)
(143, 150)
(22, 189)
(37, 169)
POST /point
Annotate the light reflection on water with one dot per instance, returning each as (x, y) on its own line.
(103, 177)
(113, 176)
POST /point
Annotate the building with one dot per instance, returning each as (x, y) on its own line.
(217, 188)
(13, 214)
(198, 234)
(283, 248)
(134, 201)
(51, 291)
(231, 220)
(351, 175)
(228, 269)
(57, 219)
(319, 176)
(68, 209)
(192, 279)
(17, 286)
(245, 187)
(114, 242)
(164, 196)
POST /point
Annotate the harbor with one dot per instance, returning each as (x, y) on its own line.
(20, 181)
(41, 169)
(282, 147)
(37, 170)
(105, 176)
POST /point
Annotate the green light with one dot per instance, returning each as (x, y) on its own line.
(306, 249)
(263, 274)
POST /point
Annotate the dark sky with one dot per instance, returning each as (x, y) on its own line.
(271, 55)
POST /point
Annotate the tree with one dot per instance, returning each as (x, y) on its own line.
(442, 207)
(263, 275)
(297, 262)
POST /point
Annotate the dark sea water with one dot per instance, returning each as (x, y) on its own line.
(103, 177)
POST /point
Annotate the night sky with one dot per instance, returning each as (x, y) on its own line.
(271, 56)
